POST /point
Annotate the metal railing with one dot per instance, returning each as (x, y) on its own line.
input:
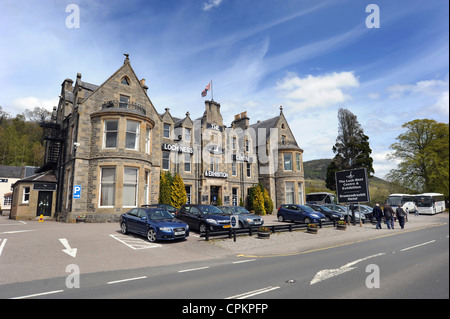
(126, 105)
(249, 231)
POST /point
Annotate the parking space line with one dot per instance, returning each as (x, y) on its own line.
(2, 244)
(134, 243)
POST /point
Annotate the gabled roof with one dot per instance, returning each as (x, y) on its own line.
(95, 88)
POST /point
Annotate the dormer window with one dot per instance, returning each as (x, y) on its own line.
(125, 81)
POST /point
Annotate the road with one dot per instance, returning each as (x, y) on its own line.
(408, 264)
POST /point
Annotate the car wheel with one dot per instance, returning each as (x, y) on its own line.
(202, 228)
(280, 218)
(123, 228)
(151, 235)
(307, 220)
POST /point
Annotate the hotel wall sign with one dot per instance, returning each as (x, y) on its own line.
(177, 148)
(214, 127)
(216, 174)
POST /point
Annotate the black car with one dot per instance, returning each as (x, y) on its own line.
(169, 208)
(201, 217)
(329, 214)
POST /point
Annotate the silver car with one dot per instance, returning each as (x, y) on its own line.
(246, 219)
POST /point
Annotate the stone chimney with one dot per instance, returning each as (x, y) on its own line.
(241, 120)
(145, 87)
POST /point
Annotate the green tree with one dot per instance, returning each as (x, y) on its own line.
(268, 203)
(352, 149)
(165, 188)
(256, 200)
(178, 192)
(424, 154)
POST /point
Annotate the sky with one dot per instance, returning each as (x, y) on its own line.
(310, 56)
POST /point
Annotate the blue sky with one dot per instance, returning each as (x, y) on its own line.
(311, 56)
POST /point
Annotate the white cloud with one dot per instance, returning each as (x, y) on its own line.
(22, 103)
(211, 4)
(317, 91)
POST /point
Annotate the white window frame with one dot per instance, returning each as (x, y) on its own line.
(292, 194)
(148, 140)
(25, 193)
(136, 133)
(129, 183)
(105, 132)
(108, 183)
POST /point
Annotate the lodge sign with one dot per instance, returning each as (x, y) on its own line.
(177, 148)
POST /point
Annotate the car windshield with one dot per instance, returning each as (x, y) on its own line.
(326, 209)
(307, 209)
(210, 210)
(240, 210)
(226, 209)
(159, 215)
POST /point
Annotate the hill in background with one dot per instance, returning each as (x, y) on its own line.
(316, 173)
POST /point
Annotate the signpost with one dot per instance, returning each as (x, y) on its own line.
(76, 191)
(234, 222)
(352, 187)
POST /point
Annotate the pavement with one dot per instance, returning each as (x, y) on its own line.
(33, 251)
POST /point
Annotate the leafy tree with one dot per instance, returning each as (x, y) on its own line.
(256, 200)
(178, 194)
(424, 154)
(352, 148)
(268, 203)
(165, 188)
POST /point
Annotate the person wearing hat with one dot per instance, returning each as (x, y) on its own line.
(378, 214)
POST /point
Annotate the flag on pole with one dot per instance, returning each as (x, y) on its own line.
(205, 91)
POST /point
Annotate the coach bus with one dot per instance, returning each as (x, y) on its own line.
(321, 198)
(406, 201)
(430, 203)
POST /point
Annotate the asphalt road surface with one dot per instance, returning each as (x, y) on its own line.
(409, 264)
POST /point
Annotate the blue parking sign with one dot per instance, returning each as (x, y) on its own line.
(77, 191)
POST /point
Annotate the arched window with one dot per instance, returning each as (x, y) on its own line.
(125, 81)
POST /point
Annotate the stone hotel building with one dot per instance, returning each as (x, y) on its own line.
(107, 145)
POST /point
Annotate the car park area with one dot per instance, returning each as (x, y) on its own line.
(31, 250)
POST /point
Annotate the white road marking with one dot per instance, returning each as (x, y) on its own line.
(2, 244)
(134, 243)
(17, 231)
(68, 250)
(253, 293)
(39, 294)
(124, 280)
(329, 273)
(193, 269)
(243, 261)
(428, 242)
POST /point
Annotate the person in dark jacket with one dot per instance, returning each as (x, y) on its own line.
(400, 216)
(378, 214)
(389, 215)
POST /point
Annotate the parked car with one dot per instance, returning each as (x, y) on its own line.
(368, 211)
(329, 214)
(169, 208)
(299, 213)
(344, 210)
(202, 216)
(246, 219)
(154, 223)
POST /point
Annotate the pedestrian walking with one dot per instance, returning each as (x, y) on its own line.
(400, 216)
(378, 214)
(389, 215)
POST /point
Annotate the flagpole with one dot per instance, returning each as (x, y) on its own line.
(212, 91)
